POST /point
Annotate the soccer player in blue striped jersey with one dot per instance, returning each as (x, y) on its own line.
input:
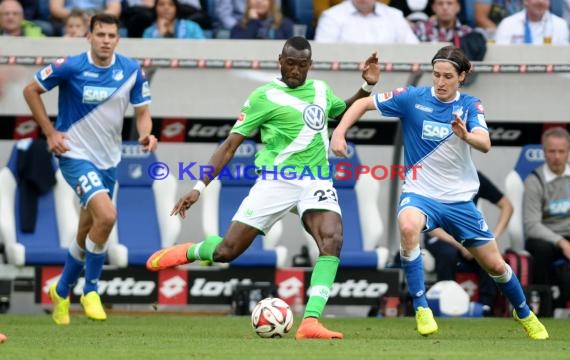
(95, 89)
(441, 125)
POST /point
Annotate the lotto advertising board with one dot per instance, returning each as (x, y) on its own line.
(216, 286)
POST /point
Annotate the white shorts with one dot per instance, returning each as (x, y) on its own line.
(270, 200)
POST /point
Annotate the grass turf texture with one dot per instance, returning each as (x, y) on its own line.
(167, 336)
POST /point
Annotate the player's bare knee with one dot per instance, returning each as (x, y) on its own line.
(497, 268)
(105, 221)
(408, 231)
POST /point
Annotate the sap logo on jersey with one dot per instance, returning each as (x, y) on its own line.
(96, 94)
(435, 131)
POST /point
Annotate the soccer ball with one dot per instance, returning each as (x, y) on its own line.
(271, 318)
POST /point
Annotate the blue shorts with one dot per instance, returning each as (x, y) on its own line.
(86, 179)
(460, 219)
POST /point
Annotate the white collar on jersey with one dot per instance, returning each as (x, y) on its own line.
(102, 67)
(550, 176)
(457, 95)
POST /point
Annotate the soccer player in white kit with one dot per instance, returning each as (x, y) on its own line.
(95, 89)
(291, 113)
(441, 125)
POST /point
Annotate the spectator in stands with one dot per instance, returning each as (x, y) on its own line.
(76, 24)
(546, 214)
(534, 25)
(60, 9)
(450, 255)
(137, 16)
(364, 21)
(263, 19)
(321, 5)
(489, 13)
(192, 10)
(34, 12)
(229, 13)
(445, 26)
(12, 21)
(169, 25)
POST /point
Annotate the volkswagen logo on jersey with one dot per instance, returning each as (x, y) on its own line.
(314, 117)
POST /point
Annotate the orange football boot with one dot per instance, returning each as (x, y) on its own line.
(311, 328)
(169, 257)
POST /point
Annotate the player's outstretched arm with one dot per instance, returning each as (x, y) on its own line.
(351, 116)
(144, 127)
(55, 139)
(478, 139)
(371, 75)
(221, 157)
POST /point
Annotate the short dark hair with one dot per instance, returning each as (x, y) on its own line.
(454, 56)
(103, 19)
(298, 43)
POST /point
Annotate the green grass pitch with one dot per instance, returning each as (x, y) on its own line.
(172, 337)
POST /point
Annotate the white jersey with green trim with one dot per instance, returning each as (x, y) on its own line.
(293, 124)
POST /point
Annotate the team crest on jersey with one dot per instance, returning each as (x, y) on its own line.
(434, 131)
(314, 117)
(118, 75)
(457, 110)
(46, 72)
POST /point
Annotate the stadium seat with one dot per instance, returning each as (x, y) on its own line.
(222, 199)
(301, 12)
(361, 217)
(48, 243)
(143, 206)
(531, 156)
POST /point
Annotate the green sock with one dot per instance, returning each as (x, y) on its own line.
(204, 250)
(322, 281)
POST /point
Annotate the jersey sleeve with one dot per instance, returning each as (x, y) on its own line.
(53, 74)
(253, 113)
(488, 190)
(476, 116)
(392, 103)
(337, 105)
(140, 93)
